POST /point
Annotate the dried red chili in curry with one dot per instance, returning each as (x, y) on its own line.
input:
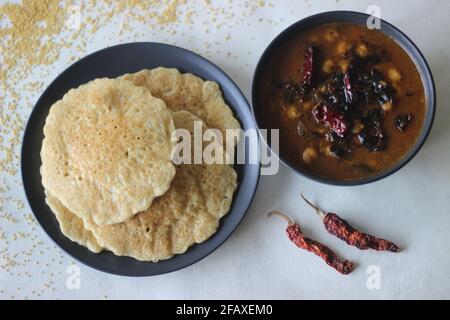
(349, 101)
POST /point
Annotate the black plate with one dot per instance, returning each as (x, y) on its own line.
(113, 62)
(391, 31)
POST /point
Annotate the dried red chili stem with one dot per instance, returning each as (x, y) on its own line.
(319, 211)
(281, 215)
(344, 231)
(296, 236)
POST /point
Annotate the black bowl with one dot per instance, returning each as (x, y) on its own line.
(113, 62)
(389, 30)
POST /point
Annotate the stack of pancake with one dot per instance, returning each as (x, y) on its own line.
(107, 164)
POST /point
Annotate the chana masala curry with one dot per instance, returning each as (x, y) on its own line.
(349, 101)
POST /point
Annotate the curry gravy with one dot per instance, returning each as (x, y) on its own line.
(304, 141)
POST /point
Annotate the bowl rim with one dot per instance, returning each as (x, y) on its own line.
(419, 60)
(256, 169)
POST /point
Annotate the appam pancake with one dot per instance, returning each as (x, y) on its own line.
(185, 91)
(188, 213)
(107, 150)
(72, 226)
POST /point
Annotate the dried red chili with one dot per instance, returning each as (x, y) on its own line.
(332, 118)
(344, 231)
(307, 68)
(296, 236)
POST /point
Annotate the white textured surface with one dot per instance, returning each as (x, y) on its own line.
(410, 208)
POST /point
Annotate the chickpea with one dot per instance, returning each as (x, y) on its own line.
(387, 106)
(331, 35)
(362, 50)
(394, 75)
(343, 47)
(327, 151)
(292, 112)
(357, 127)
(343, 64)
(310, 154)
(328, 66)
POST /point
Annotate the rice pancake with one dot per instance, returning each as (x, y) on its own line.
(185, 91)
(72, 226)
(188, 213)
(107, 150)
